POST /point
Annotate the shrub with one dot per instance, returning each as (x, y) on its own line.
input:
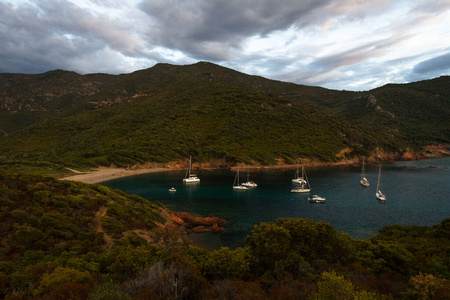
(62, 276)
(226, 263)
(26, 237)
(112, 225)
(110, 291)
(19, 215)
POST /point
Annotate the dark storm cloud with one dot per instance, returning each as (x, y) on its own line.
(430, 68)
(55, 34)
(436, 65)
(213, 29)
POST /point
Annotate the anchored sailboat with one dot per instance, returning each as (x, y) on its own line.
(364, 182)
(303, 181)
(236, 184)
(189, 177)
(379, 194)
(298, 179)
(249, 183)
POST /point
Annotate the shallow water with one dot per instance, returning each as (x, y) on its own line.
(418, 193)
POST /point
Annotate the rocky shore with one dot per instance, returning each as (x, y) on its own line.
(198, 224)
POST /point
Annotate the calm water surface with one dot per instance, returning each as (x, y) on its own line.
(418, 193)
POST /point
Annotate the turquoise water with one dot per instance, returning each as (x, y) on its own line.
(418, 193)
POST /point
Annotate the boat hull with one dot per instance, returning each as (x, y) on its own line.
(300, 190)
(239, 187)
(316, 199)
(380, 196)
(191, 180)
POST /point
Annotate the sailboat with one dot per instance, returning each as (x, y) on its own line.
(189, 177)
(249, 183)
(364, 182)
(379, 194)
(236, 184)
(298, 179)
(303, 181)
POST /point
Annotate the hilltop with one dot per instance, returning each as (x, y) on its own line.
(167, 113)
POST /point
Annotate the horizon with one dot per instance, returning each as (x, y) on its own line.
(48, 71)
(340, 45)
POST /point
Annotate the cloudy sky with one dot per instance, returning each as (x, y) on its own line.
(338, 44)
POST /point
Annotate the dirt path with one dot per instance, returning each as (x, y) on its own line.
(99, 228)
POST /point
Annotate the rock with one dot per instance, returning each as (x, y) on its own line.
(198, 224)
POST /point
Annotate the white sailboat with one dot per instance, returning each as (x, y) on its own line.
(364, 182)
(236, 184)
(304, 183)
(379, 194)
(298, 179)
(316, 199)
(189, 177)
(249, 183)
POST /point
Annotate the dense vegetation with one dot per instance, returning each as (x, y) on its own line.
(67, 240)
(239, 126)
(169, 112)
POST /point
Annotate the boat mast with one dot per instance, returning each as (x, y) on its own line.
(378, 182)
(362, 170)
(188, 172)
(236, 178)
(304, 178)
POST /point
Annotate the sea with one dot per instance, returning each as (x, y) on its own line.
(417, 193)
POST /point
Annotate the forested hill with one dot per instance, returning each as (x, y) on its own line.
(169, 112)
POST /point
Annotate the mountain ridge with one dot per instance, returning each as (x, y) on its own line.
(168, 112)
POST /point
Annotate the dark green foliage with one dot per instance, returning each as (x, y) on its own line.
(169, 112)
(208, 121)
(295, 245)
(43, 214)
(26, 237)
(55, 251)
(226, 263)
(430, 246)
(126, 262)
(112, 225)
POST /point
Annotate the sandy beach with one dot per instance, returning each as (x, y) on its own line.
(102, 174)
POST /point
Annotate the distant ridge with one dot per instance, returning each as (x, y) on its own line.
(169, 112)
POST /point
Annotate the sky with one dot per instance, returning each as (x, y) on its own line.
(338, 44)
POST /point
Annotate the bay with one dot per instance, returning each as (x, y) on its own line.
(418, 193)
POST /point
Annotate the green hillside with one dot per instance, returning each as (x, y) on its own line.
(67, 240)
(170, 112)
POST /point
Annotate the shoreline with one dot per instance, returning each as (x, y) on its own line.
(102, 174)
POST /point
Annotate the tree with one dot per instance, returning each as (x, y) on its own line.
(226, 263)
(335, 287)
(268, 244)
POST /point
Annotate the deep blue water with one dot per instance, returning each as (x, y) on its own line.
(418, 193)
